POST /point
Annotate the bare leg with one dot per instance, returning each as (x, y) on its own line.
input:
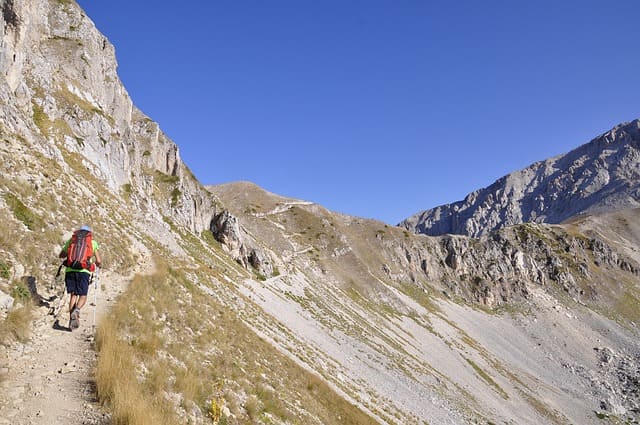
(73, 299)
(82, 300)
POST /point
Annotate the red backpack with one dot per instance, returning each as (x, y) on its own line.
(80, 250)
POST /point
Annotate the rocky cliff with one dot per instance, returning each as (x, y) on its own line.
(602, 175)
(61, 95)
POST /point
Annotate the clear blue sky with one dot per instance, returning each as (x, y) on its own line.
(375, 108)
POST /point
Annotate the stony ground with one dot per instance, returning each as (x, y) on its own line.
(49, 380)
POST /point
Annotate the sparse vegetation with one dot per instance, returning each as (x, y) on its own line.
(41, 119)
(22, 212)
(175, 196)
(20, 292)
(166, 178)
(70, 100)
(245, 364)
(485, 376)
(5, 270)
(421, 295)
(16, 326)
(544, 409)
(126, 189)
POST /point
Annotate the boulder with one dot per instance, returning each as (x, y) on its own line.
(6, 301)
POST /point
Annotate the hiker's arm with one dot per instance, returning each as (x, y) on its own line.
(98, 260)
(63, 254)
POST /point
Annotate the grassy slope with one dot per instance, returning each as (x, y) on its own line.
(180, 330)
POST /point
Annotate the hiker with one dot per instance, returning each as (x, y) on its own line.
(78, 253)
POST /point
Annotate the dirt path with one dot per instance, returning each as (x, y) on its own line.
(49, 380)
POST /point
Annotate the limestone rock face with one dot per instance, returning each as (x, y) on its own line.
(61, 94)
(6, 301)
(600, 176)
(226, 229)
(503, 266)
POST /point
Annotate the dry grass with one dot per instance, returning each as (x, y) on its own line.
(117, 384)
(198, 350)
(41, 119)
(17, 325)
(22, 212)
(627, 305)
(189, 383)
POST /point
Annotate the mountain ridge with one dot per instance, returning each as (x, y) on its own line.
(599, 176)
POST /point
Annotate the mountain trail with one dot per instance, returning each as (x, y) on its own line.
(50, 378)
(282, 208)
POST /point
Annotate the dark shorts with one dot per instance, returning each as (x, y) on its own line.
(77, 282)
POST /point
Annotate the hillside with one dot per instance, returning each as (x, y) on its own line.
(229, 304)
(401, 314)
(600, 176)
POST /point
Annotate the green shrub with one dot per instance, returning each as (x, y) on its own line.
(175, 196)
(20, 292)
(126, 189)
(166, 178)
(5, 270)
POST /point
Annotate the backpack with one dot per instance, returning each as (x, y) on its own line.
(80, 250)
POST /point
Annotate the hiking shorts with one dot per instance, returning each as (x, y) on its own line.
(77, 282)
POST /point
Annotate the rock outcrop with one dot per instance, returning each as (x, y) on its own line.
(503, 266)
(602, 175)
(61, 94)
(6, 301)
(226, 229)
(619, 388)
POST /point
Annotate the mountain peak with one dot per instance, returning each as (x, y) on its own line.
(600, 176)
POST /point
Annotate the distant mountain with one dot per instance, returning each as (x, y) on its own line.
(600, 176)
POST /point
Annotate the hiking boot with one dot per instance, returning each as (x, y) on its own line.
(74, 323)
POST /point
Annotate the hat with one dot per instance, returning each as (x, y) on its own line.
(86, 228)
